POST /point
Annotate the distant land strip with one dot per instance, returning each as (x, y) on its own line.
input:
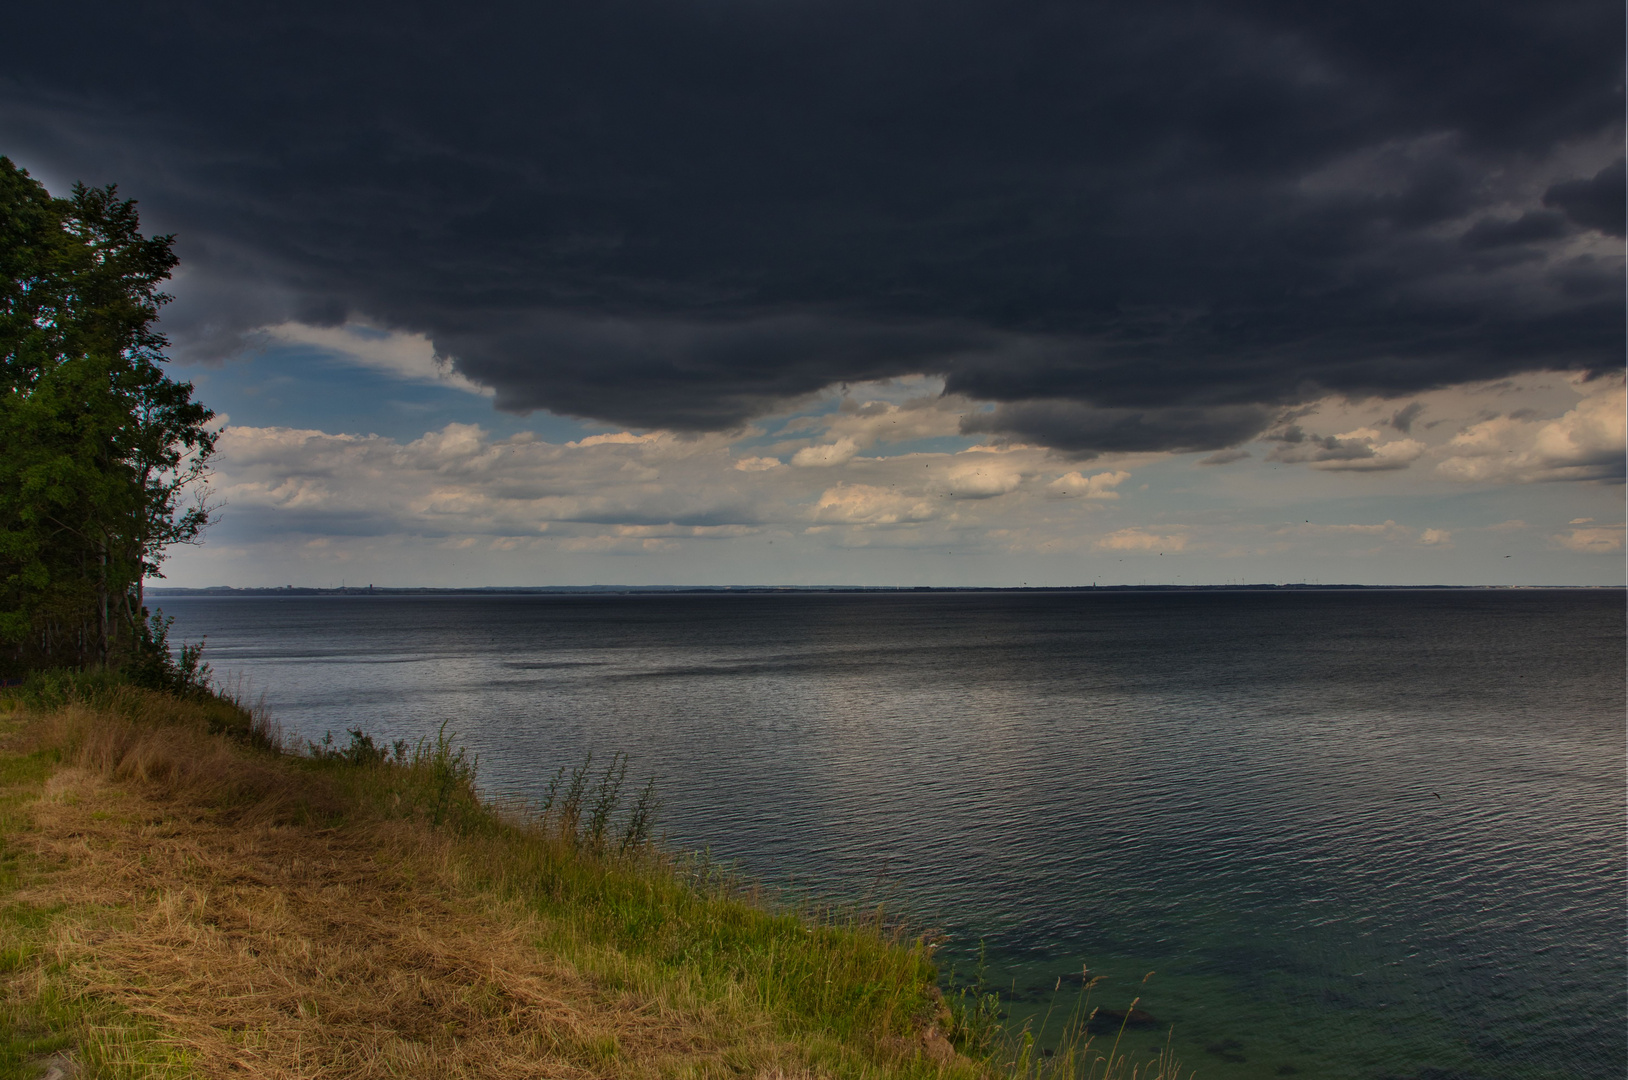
(510, 590)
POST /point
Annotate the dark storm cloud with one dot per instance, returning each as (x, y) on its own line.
(1595, 203)
(1403, 419)
(1129, 226)
(1085, 430)
(1534, 225)
(647, 371)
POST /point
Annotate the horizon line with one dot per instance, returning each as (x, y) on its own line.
(377, 590)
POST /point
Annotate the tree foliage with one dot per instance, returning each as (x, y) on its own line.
(102, 455)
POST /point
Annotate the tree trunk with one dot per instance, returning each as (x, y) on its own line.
(102, 609)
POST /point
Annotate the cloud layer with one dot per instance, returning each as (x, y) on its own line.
(1585, 443)
(608, 491)
(1132, 227)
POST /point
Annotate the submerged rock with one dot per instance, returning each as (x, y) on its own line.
(1227, 1050)
(1133, 1018)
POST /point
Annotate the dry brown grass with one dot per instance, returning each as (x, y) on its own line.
(211, 895)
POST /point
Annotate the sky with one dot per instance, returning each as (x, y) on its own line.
(885, 293)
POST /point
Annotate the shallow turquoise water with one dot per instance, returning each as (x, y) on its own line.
(1368, 834)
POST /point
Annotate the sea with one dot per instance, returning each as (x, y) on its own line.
(1331, 833)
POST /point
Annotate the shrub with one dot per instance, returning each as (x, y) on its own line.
(155, 666)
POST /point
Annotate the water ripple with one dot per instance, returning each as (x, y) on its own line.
(1366, 834)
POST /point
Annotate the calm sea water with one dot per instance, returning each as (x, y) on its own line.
(1366, 835)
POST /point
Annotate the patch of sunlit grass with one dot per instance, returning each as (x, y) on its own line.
(206, 900)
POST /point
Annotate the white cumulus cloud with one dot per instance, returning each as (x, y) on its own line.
(406, 356)
(1600, 540)
(1587, 442)
(852, 504)
(1141, 540)
(985, 476)
(824, 456)
(1098, 486)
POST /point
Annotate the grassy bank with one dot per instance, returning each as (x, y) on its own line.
(182, 896)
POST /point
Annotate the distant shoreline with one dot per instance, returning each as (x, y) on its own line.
(599, 590)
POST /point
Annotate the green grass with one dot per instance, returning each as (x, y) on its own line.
(39, 1016)
(610, 904)
(852, 993)
(641, 917)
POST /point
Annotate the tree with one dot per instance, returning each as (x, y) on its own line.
(102, 455)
